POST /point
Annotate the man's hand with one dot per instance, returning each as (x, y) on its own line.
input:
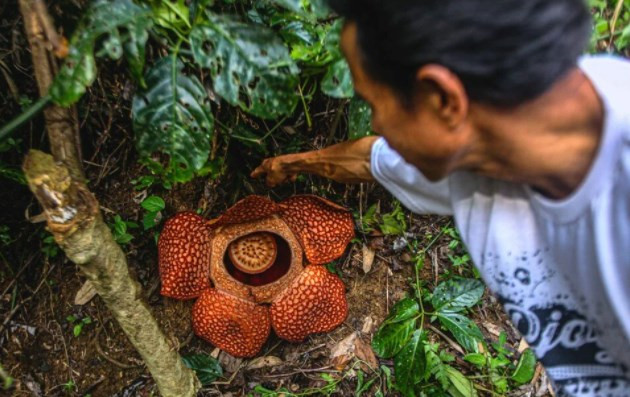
(347, 162)
(277, 169)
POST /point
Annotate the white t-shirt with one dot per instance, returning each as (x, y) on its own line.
(560, 268)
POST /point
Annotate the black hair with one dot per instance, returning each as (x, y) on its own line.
(505, 52)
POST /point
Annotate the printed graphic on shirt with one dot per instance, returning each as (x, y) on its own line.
(542, 306)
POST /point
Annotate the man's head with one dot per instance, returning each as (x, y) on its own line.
(422, 63)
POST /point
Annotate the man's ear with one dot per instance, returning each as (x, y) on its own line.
(447, 96)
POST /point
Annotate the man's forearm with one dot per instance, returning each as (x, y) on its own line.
(347, 162)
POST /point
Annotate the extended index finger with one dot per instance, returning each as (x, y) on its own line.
(261, 169)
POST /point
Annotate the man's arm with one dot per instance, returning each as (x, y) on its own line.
(347, 162)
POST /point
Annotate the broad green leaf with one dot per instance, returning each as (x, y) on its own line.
(124, 25)
(392, 225)
(359, 119)
(148, 220)
(404, 309)
(525, 368)
(461, 385)
(410, 363)
(249, 64)
(207, 368)
(153, 204)
(171, 14)
(391, 337)
(463, 329)
(624, 39)
(435, 365)
(309, 8)
(293, 5)
(337, 81)
(457, 294)
(14, 174)
(476, 358)
(173, 115)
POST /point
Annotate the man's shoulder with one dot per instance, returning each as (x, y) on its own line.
(610, 76)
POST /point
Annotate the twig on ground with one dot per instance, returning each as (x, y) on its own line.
(303, 371)
(450, 341)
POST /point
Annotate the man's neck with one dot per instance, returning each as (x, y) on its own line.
(549, 143)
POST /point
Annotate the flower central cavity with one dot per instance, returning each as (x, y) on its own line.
(253, 253)
(258, 258)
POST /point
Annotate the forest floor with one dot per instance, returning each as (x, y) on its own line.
(56, 342)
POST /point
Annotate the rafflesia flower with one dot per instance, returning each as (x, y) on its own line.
(265, 261)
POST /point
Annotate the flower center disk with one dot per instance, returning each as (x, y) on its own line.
(253, 253)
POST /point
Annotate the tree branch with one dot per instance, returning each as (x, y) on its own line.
(73, 217)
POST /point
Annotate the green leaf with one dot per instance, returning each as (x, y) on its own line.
(391, 337)
(13, 174)
(457, 294)
(76, 331)
(477, 359)
(337, 81)
(359, 119)
(461, 386)
(173, 115)
(120, 227)
(207, 368)
(171, 14)
(525, 368)
(624, 39)
(404, 309)
(124, 238)
(249, 64)
(153, 204)
(410, 363)
(308, 8)
(148, 220)
(463, 329)
(392, 226)
(293, 5)
(125, 26)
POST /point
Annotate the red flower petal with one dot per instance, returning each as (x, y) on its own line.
(184, 256)
(315, 302)
(237, 326)
(249, 209)
(323, 227)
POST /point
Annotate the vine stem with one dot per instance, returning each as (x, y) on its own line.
(25, 116)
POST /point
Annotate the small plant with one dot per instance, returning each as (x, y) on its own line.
(7, 380)
(152, 205)
(499, 366)
(5, 236)
(69, 386)
(394, 223)
(206, 368)
(78, 324)
(49, 248)
(421, 367)
(119, 230)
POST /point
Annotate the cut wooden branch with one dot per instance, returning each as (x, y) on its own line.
(62, 124)
(74, 219)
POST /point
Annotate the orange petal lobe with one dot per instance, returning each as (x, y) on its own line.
(184, 256)
(234, 325)
(323, 227)
(249, 209)
(315, 302)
